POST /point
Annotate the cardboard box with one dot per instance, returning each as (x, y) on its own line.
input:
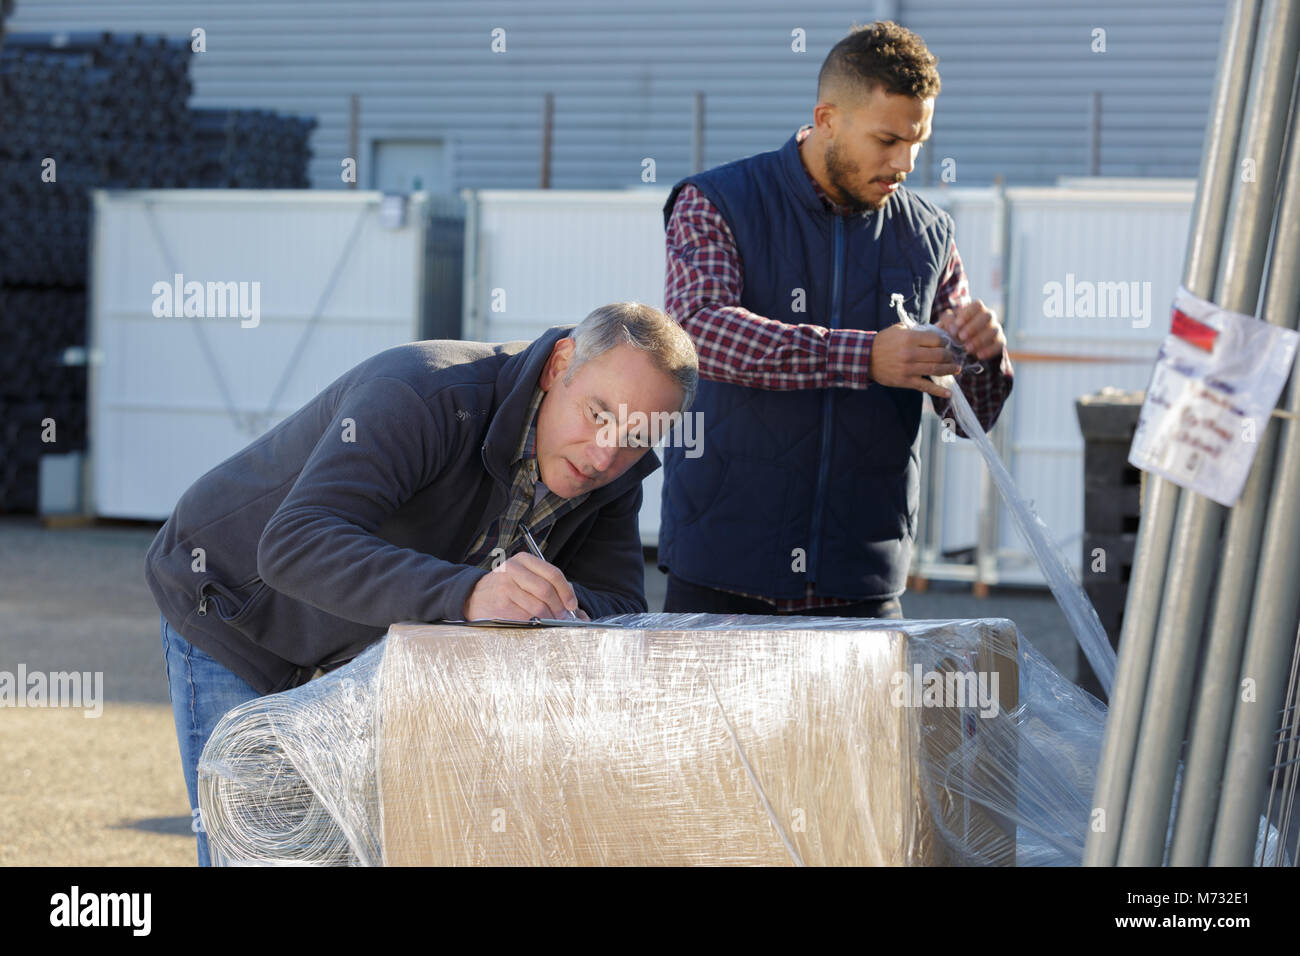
(613, 746)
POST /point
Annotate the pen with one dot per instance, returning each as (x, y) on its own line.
(537, 552)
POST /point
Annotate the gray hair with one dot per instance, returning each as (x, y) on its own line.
(643, 327)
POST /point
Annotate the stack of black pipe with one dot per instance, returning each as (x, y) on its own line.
(247, 149)
(42, 384)
(80, 111)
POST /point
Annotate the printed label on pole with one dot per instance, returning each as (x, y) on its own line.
(1215, 383)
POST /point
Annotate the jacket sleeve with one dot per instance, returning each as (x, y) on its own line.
(320, 545)
(608, 569)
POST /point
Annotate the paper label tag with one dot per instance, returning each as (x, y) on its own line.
(1214, 385)
(1190, 330)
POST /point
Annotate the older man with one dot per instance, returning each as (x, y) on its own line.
(398, 491)
(783, 268)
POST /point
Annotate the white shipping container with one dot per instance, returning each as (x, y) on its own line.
(171, 395)
(950, 516)
(1092, 275)
(539, 258)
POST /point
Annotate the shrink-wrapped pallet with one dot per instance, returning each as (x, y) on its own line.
(663, 740)
(654, 746)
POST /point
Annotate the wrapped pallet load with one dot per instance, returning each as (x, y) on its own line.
(661, 739)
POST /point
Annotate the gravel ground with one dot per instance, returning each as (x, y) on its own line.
(108, 790)
(92, 791)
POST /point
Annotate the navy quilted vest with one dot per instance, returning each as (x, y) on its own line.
(814, 485)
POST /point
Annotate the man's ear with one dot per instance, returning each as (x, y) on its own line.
(824, 117)
(557, 364)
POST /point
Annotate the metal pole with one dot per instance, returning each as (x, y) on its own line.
(1283, 783)
(1208, 737)
(1274, 610)
(473, 323)
(931, 531)
(1218, 166)
(1094, 135)
(1195, 556)
(354, 135)
(986, 542)
(697, 134)
(548, 123)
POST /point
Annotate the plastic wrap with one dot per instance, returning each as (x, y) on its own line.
(1059, 572)
(664, 739)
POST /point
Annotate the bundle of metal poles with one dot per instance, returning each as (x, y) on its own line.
(1205, 688)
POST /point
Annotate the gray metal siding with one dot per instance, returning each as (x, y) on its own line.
(1017, 76)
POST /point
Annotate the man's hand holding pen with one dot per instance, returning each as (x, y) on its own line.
(523, 587)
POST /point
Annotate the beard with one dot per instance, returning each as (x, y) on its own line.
(840, 172)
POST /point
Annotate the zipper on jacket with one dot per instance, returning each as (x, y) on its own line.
(823, 467)
(204, 600)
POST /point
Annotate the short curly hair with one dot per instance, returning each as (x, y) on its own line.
(882, 54)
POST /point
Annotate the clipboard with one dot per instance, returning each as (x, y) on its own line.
(531, 622)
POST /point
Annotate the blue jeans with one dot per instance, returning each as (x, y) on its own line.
(202, 691)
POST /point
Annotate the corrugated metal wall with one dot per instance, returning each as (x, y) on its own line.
(1018, 77)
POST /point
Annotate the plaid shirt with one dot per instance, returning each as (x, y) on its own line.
(524, 507)
(703, 289)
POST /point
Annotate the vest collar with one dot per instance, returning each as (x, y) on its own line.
(796, 180)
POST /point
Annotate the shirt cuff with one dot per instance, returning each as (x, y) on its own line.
(1000, 365)
(848, 358)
